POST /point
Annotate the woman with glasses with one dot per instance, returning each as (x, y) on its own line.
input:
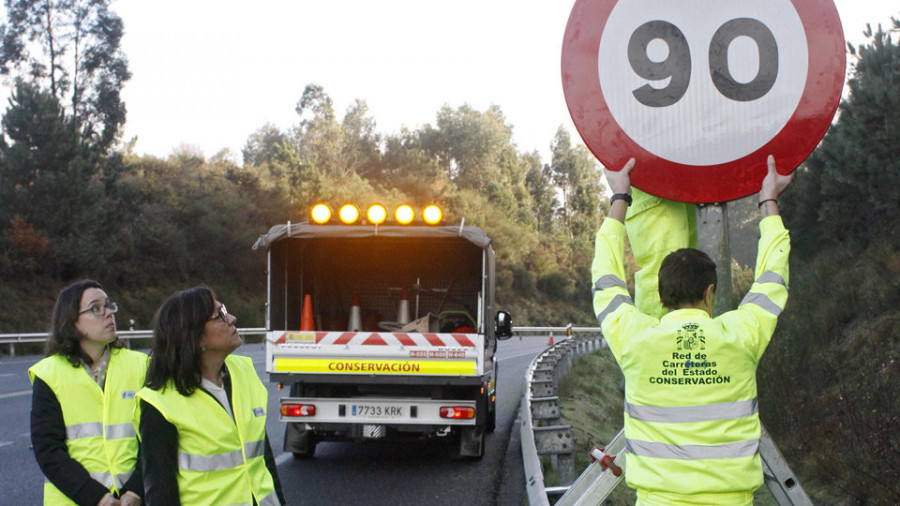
(83, 403)
(202, 414)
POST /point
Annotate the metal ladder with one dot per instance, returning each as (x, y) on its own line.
(607, 471)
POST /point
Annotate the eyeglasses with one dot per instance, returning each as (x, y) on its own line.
(221, 313)
(100, 309)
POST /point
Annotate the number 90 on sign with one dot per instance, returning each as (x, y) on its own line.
(676, 66)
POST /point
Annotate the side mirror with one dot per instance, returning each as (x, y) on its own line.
(503, 326)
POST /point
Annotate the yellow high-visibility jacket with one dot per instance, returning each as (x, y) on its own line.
(656, 227)
(99, 430)
(691, 420)
(220, 460)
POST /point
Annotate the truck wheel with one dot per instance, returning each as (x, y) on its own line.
(310, 450)
(299, 441)
(491, 422)
(491, 418)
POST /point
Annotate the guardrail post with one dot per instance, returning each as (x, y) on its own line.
(545, 408)
(543, 388)
(558, 442)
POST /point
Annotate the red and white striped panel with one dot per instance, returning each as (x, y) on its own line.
(382, 339)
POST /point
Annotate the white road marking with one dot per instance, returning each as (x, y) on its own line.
(15, 394)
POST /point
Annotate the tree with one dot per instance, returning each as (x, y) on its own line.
(45, 173)
(471, 146)
(858, 157)
(339, 149)
(318, 138)
(832, 368)
(539, 181)
(411, 169)
(72, 49)
(476, 151)
(262, 146)
(361, 146)
(575, 174)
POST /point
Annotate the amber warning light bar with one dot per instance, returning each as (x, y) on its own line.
(377, 214)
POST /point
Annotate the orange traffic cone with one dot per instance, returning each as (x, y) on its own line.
(403, 312)
(550, 343)
(306, 321)
(355, 324)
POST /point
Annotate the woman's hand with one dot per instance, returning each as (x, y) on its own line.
(109, 500)
(131, 499)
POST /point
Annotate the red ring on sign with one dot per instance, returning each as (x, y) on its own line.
(709, 183)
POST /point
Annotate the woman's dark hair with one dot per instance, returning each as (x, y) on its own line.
(64, 338)
(683, 276)
(177, 331)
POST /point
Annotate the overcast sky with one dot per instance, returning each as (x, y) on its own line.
(208, 73)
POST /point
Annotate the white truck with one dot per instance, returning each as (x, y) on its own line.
(356, 373)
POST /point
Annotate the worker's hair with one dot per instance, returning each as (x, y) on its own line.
(64, 338)
(683, 276)
(177, 330)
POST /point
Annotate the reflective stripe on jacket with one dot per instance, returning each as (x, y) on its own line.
(100, 434)
(691, 419)
(220, 460)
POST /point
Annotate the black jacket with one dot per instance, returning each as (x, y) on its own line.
(159, 451)
(48, 437)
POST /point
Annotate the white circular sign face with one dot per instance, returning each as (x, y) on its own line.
(671, 75)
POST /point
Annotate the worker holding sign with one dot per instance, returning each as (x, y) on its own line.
(678, 220)
(692, 425)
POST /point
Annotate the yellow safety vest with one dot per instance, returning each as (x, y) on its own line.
(691, 418)
(656, 227)
(100, 434)
(220, 460)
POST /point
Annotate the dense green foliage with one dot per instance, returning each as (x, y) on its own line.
(829, 379)
(146, 227)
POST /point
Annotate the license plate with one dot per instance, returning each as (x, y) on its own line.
(376, 411)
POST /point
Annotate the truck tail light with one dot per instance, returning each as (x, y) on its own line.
(298, 409)
(457, 412)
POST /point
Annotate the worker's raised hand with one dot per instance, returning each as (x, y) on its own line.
(620, 181)
(774, 183)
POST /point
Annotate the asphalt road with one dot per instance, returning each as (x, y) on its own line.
(371, 473)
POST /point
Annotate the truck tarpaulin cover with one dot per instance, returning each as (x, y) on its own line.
(305, 231)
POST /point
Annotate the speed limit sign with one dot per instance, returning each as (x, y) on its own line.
(700, 92)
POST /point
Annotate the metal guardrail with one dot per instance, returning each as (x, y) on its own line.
(541, 431)
(539, 401)
(39, 337)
